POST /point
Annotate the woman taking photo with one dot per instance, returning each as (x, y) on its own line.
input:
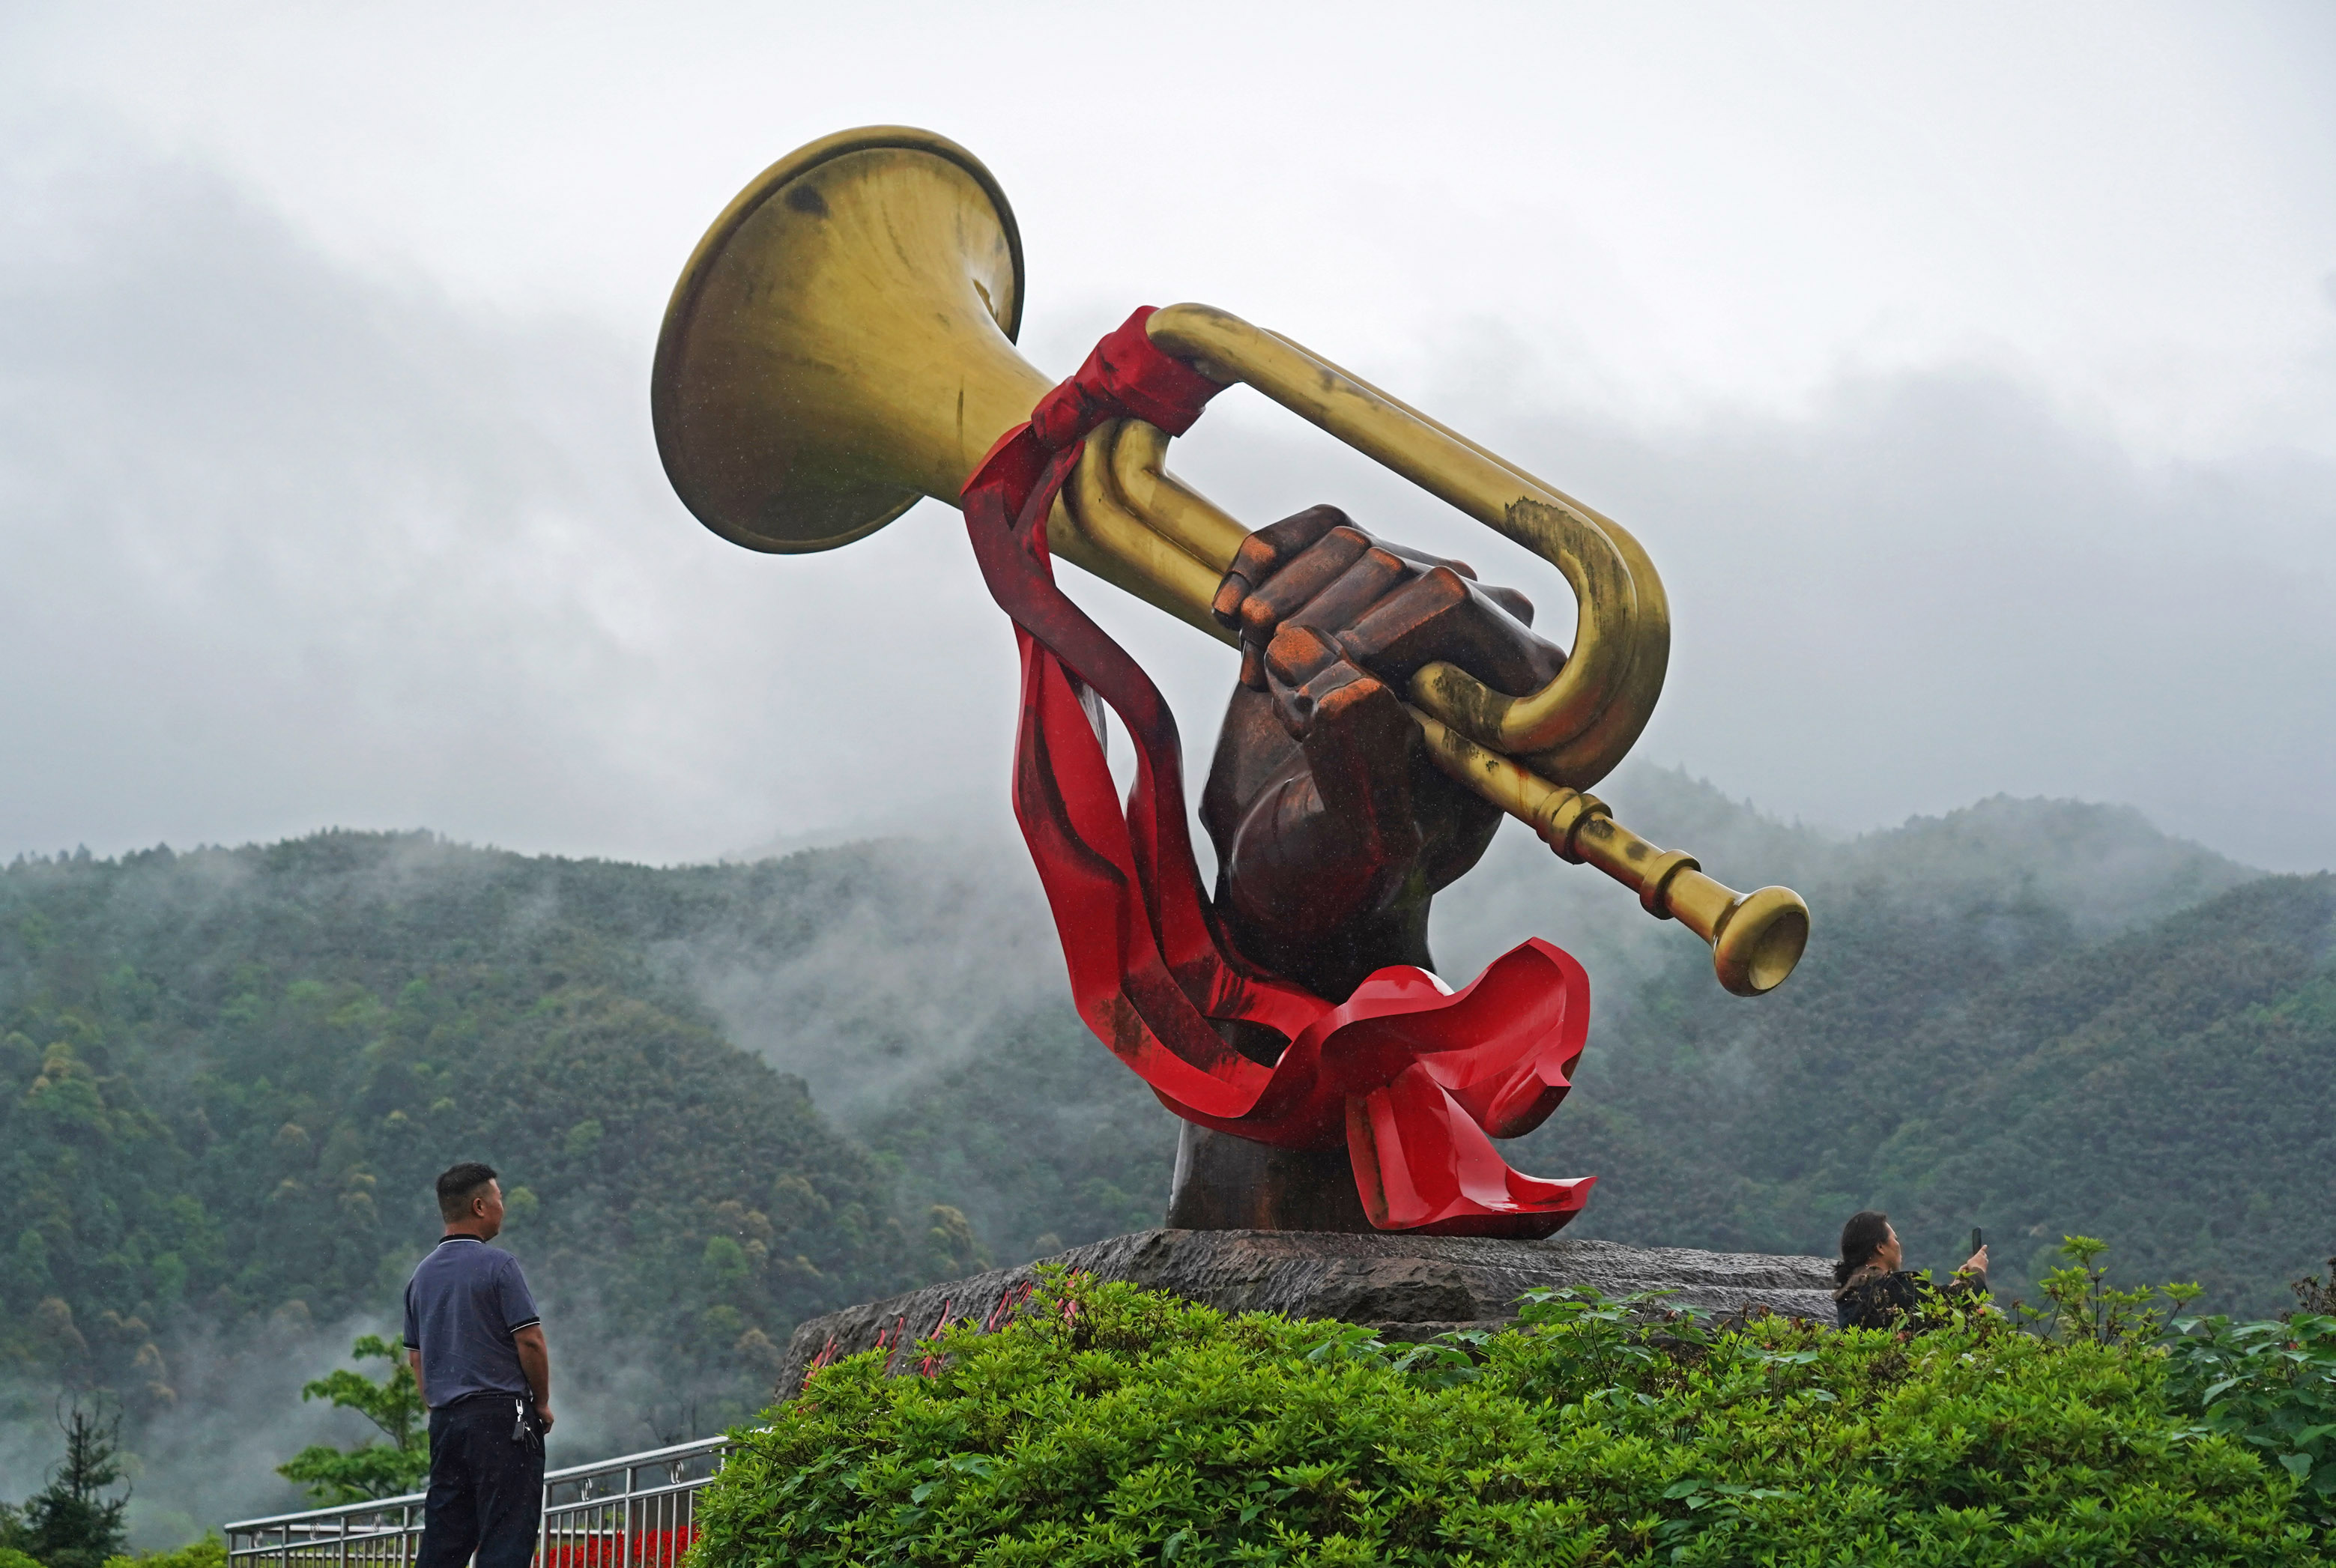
(1874, 1293)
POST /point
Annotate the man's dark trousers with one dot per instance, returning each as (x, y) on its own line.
(486, 1490)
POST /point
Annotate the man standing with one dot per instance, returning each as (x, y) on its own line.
(478, 1354)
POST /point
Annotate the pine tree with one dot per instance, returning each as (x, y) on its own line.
(67, 1525)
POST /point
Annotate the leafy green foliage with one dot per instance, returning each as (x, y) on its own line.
(394, 1405)
(2271, 1385)
(208, 1552)
(1109, 1425)
(2316, 1294)
(1443, 1362)
(2086, 1306)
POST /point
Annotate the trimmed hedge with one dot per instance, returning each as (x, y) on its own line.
(1112, 1425)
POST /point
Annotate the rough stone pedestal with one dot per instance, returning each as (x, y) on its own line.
(1407, 1287)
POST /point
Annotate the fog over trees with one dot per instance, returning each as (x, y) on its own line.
(726, 1097)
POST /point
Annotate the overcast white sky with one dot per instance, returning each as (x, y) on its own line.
(1970, 371)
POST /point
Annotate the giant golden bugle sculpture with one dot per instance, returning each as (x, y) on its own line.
(842, 345)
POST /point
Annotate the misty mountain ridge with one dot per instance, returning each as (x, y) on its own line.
(2104, 868)
(727, 1096)
(2108, 865)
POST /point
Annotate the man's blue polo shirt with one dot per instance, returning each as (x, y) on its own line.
(466, 1302)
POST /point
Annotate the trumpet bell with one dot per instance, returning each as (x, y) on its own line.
(840, 344)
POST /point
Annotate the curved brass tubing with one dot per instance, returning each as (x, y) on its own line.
(1109, 528)
(1199, 527)
(1131, 512)
(1450, 691)
(1622, 626)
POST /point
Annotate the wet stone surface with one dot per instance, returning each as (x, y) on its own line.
(1407, 1287)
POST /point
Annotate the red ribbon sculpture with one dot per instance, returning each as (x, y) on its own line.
(1416, 1077)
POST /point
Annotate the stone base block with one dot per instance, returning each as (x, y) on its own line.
(1407, 1287)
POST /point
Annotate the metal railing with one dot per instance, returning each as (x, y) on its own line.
(639, 1511)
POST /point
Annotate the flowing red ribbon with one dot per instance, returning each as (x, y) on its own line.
(1415, 1077)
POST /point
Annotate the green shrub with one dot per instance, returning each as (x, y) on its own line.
(2271, 1385)
(1111, 1425)
(210, 1552)
(2084, 1305)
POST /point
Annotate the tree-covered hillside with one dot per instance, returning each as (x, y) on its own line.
(2170, 1088)
(227, 1079)
(726, 1097)
(2179, 1083)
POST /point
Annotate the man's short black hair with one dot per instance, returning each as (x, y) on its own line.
(458, 1186)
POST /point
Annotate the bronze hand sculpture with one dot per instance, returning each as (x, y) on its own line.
(1333, 827)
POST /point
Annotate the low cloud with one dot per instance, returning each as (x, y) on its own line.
(283, 545)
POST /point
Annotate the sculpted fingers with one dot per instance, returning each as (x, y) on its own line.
(1513, 603)
(1519, 608)
(1368, 579)
(1396, 634)
(1287, 590)
(1422, 559)
(1266, 551)
(1292, 662)
(1355, 735)
(1382, 607)
(1276, 574)
(1440, 615)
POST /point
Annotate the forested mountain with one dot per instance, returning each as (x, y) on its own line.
(227, 1079)
(1969, 1053)
(726, 1097)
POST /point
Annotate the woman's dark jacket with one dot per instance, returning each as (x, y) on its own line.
(1874, 1298)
